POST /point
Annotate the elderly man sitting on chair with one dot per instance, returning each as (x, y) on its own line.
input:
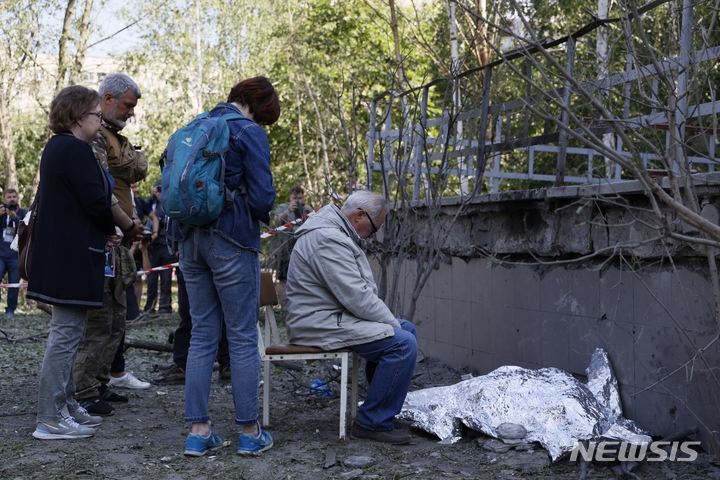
(332, 303)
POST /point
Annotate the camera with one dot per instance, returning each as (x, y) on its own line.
(10, 206)
(147, 234)
(300, 210)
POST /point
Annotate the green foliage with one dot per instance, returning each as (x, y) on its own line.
(327, 59)
(29, 134)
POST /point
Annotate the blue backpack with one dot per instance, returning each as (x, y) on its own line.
(193, 170)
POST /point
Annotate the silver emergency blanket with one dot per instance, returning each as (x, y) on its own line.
(556, 409)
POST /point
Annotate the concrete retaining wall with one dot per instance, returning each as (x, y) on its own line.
(651, 312)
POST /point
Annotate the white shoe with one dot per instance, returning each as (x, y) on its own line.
(128, 381)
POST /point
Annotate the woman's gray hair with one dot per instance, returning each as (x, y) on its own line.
(365, 200)
(117, 84)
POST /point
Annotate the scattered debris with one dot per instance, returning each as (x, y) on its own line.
(359, 461)
(330, 458)
(496, 446)
(351, 474)
(511, 433)
(149, 430)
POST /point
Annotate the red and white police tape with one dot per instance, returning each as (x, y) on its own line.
(270, 233)
(265, 235)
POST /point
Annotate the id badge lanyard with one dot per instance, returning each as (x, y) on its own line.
(9, 230)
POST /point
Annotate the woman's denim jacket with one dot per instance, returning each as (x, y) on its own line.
(248, 178)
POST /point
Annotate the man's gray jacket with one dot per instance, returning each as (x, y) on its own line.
(332, 297)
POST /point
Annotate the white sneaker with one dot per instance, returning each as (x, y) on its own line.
(128, 381)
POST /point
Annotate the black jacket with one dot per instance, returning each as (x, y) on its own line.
(74, 218)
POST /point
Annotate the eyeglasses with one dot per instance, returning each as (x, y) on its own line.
(372, 224)
(97, 114)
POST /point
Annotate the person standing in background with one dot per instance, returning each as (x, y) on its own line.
(284, 241)
(142, 209)
(159, 255)
(10, 217)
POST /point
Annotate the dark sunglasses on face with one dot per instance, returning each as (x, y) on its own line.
(372, 224)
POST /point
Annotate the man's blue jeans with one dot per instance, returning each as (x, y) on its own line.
(221, 277)
(10, 265)
(396, 358)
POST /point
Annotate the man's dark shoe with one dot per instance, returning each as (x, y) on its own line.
(95, 406)
(172, 376)
(225, 374)
(108, 395)
(393, 437)
(399, 424)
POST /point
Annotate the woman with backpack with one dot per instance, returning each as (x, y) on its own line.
(221, 266)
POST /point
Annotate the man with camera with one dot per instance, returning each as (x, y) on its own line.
(284, 241)
(10, 217)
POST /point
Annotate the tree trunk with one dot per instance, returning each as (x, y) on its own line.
(62, 47)
(396, 40)
(484, 48)
(77, 65)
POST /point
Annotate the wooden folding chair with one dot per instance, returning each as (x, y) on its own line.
(276, 350)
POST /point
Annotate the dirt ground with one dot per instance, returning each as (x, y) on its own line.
(145, 438)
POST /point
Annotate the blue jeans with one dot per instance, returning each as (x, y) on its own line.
(10, 265)
(396, 363)
(221, 277)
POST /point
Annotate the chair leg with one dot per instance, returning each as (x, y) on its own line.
(343, 393)
(266, 393)
(354, 397)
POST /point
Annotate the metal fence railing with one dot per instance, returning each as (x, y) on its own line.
(487, 147)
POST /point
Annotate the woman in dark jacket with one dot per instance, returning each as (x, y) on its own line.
(73, 225)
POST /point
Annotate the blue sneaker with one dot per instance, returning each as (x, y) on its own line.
(248, 444)
(196, 445)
